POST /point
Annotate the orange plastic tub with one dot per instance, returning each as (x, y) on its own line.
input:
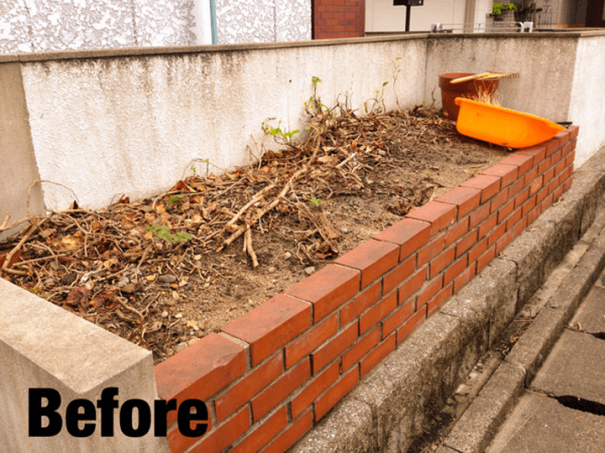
(502, 126)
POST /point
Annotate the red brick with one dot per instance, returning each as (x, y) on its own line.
(358, 305)
(570, 159)
(412, 324)
(563, 137)
(557, 193)
(464, 198)
(535, 186)
(315, 388)
(522, 162)
(455, 269)
(508, 173)
(486, 258)
(458, 230)
(487, 226)
(289, 437)
(431, 250)
(559, 168)
(439, 299)
(553, 185)
(375, 314)
(515, 188)
(442, 261)
(477, 250)
(264, 433)
(249, 386)
(352, 356)
(439, 215)
(329, 399)
(429, 291)
(377, 355)
(541, 195)
(530, 176)
(199, 371)
(569, 148)
(533, 214)
(466, 242)
(521, 198)
(334, 348)
(496, 234)
(270, 325)
(499, 200)
(280, 389)
(220, 438)
(412, 285)
(538, 152)
(480, 214)
(518, 228)
(399, 274)
(573, 131)
(568, 184)
(503, 242)
(465, 277)
(489, 185)
(327, 289)
(311, 340)
(399, 316)
(552, 145)
(556, 157)
(548, 201)
(409, 234)
(514, 218)
(372, 258)
(531, 204)
(543, 166)
(548, 176)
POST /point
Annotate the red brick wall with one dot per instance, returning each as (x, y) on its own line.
(338, 19)
(285, 364)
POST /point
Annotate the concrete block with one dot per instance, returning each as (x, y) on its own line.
(476, 428)
(574, 367)
(349, 430)
(45, 346)
(590, 316)
(542, 425)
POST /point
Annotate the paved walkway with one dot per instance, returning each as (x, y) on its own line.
(547, 394)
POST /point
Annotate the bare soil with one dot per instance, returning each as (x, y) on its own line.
(165, 271)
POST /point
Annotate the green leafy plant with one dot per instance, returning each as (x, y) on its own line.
(497, 8)
(163, 232)
(315, 202)
(278, 132)
(174, 200)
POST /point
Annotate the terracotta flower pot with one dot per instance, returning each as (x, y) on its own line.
(467, 90)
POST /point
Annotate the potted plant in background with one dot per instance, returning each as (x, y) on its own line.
(503, 12)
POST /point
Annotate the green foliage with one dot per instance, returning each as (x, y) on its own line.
(174, 200)
(163, 232)
(277, 131)
(499, 7)
(315, 202)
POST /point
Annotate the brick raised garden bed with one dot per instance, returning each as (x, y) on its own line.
(273, 373)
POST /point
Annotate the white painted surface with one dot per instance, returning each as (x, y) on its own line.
(587, 108)
(106, 127)
(45, 25)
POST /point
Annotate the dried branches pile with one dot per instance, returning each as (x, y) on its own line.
(111, 266)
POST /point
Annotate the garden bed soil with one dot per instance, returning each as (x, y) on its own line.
(165, 271)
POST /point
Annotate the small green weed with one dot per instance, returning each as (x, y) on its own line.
(163, 232)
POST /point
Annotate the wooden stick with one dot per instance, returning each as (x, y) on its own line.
(31, 230)
(254, 199)
(5, 221)
(249, 247)
(133, 310)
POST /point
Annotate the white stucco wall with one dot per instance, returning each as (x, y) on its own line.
(112, 126)
(44, 25)
(587, 108)
(241, 21)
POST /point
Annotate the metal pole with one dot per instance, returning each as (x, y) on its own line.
(213, 21)
(407, 17)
